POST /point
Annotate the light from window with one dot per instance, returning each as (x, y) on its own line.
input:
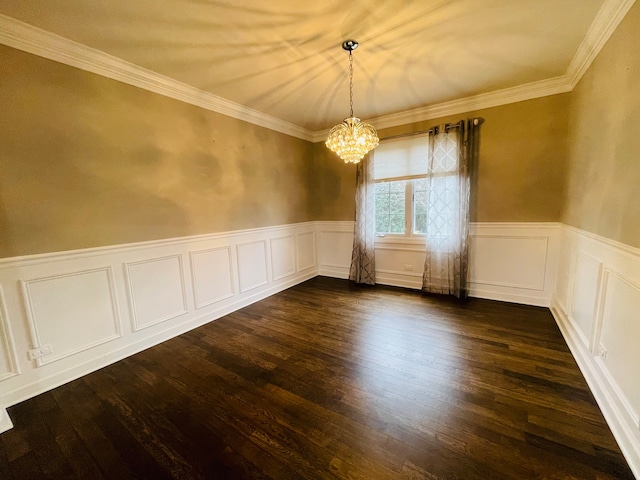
(420, 206)
(390, 207)
(410, 195)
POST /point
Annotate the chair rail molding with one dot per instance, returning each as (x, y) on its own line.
(132, 297)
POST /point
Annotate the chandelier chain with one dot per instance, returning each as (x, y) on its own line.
(352, 139)
(350, 84)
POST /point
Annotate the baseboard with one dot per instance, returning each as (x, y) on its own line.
(90, 308)
(334, 271)
(5, 421)
(39, 386)
(502, 296)
(607, 396)
(509, 261)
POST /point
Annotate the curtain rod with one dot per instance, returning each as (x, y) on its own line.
(476, 121)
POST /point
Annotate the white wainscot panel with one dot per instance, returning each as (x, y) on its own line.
(252, 265)
(335, 248)
(306, 250)
(156, 290)
(8, 358)
(518, 262)
(564, 269)
(282, 257)
(400, 266)
(586, 278)
(620, 331)
(212, 275)
(72, 312)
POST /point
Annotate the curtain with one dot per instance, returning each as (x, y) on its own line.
(448, 189)
(363, 260)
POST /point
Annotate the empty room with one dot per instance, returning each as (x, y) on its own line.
(320, 240)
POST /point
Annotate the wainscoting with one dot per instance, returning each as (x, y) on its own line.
(597, 307)
(63, 315)
(513, 262)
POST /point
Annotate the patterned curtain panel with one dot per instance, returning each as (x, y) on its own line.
(448, 190)
(363, 259)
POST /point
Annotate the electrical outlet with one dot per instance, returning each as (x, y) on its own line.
(602, 352)
(40, 352)
(408, 268)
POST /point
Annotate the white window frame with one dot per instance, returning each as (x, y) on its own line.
(408, 236)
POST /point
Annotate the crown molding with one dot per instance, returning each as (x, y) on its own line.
(37, 41)
(604, 24)
(28, 38)
(496, 98)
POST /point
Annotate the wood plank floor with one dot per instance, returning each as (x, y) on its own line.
(329, 380)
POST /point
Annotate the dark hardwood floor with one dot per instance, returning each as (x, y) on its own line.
(329, 380)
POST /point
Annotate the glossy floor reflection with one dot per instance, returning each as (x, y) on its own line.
(329, 380)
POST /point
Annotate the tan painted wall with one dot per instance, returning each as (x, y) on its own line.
(86, 161)
(335, 185)
(603, 188)
(521, 167)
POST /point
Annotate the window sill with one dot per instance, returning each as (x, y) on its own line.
(400, 239)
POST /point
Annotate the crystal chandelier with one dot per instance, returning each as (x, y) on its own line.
(351, 139)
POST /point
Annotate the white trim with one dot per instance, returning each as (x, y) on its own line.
(602, 388)
(15, 274)
(36, 341)
(132, 301)
(5, 421)
(40, 385)
(627, 250)
(292, 253)
(266, 264)
(194, 277)
(399, 279)
(25, 260)
(505, 96)
(300, 268)
(6, 339)
(28, 38)
(37, 41)
(604, 24)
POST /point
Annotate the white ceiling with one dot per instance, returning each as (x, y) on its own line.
(283, 57)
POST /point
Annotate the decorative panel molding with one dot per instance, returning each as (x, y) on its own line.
(334, 249)
(69, 300)
(5, 421)
(8, 356)
(517, 262)
(584, 294)
(282, 256)
(73, 312)
(212, 275)
(306, 250)
(514, 262)
(618, 333)
(252, 265)
(156, 290)
(603, 283)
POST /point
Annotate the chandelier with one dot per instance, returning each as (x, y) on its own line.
(351, 139)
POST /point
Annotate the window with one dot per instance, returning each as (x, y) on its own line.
(401, 207)
(401, 198)
(408, 196)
